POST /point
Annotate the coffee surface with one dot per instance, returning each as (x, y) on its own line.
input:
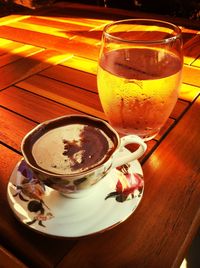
(71, 149)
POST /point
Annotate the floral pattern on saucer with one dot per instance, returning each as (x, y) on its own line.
(128, 186)
(31, 190)
(49, 212)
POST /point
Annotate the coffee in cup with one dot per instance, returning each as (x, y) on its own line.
(72, 153)
(72, 148)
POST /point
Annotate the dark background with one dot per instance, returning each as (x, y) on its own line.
(189, 9)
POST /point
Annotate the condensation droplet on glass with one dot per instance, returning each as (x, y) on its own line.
(136, 82)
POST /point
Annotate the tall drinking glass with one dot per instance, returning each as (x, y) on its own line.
(139, 74)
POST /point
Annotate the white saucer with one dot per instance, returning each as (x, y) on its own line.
(47, 211)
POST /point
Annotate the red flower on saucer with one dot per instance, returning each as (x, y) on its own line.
(128, 184)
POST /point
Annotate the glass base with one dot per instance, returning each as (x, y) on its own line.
(146, 135)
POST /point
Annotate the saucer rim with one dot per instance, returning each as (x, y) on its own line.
(11, 205)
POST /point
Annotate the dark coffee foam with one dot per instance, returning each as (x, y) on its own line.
(93, 146)
(90, 139)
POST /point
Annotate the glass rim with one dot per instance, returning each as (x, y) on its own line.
(175, 28)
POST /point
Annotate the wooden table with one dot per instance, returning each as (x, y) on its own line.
(48, 63)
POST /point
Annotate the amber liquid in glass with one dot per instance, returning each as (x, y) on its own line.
(138, 88)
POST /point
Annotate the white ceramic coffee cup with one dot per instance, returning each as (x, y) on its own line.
(79, 184)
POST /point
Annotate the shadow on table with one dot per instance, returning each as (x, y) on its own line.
(193, 256)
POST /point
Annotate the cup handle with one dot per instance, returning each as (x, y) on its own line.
(119, 161)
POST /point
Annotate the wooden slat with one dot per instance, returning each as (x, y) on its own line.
(39, 29)
(191, 75)
(7, 45)
(84, 47)
(32, 106)
(196, 63)
(62, 25)
(16, 52)
(80, 48)
(150, 146)
(191, 49)
(41, 109)
(13, 128)
(72, 76)
(168, 124)
(179, 108)
(88, 22)
(187, 34)
(171, 195)
(4, 42)
(11, 18)
(81, 64)
(26, 36)
(91, 37)
(34, 29)
(87, 102)
(39, 250)
(188, 92)
(27, 66)
(9, 260)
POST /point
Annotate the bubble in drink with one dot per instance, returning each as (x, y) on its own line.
(138, 91)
